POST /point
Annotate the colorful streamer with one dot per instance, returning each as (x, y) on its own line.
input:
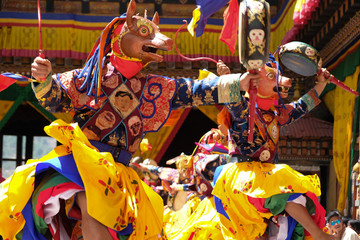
(206, 9)
(7, 79)
(229, 31)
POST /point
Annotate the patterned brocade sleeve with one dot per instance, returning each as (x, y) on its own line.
(311, 99)
(51, 96)
(299, 108)
(210, 90)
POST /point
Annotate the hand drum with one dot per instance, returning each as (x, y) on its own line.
(254, 41)
(305, 60)
(300, 58)
(254, 33)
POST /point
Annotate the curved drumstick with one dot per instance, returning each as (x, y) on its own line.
(190, 59)
(338, 83)
(41, 53)
(252, 98)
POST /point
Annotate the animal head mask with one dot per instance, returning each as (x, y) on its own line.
(131, 41)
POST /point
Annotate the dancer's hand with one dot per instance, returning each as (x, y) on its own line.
(40, 68)
(222, 68)
(323, 76)
(246, 78)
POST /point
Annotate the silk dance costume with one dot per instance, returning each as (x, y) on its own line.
(245, 188)
(255, 188)
(37, 201)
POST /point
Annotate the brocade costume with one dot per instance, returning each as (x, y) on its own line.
(244, 188)
(95, 154)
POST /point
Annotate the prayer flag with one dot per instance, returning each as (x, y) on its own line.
(231, 25)
(205, 8)
(7, 79)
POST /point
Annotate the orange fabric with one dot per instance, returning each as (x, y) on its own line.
(224, 118)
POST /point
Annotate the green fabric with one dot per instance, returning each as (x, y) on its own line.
(48, 181)
(298, 233)
(19, 235)
(123, 237)
(276, 204)
(310, 206)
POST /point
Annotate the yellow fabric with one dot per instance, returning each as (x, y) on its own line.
(203, 223)
(343, 124)
(299, 5)
(66, 117)
(145, 145)
(283, 24)
(194, 20)
(329, 100)
(14, 194)
(174, 220)
(157, 140)
(257, 180)
(203, 73)
(79, 37)
(79, 40)
(210, 111)
(123, 197)
(208, 44)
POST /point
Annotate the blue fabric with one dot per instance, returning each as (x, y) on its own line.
(127, 231)
(29, 231)
(64, 165)
(16, 77)
(292, 222)
(294, 196)
(207, 8)
(218, 204)
(291, 226)
(119, 155)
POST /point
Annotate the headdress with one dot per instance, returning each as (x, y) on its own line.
(92, 70)
(109, 43)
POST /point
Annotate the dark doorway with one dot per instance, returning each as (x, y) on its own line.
(194, 127)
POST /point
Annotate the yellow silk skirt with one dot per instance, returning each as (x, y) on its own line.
(256, 180)
(198, 219)
(116, 196)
